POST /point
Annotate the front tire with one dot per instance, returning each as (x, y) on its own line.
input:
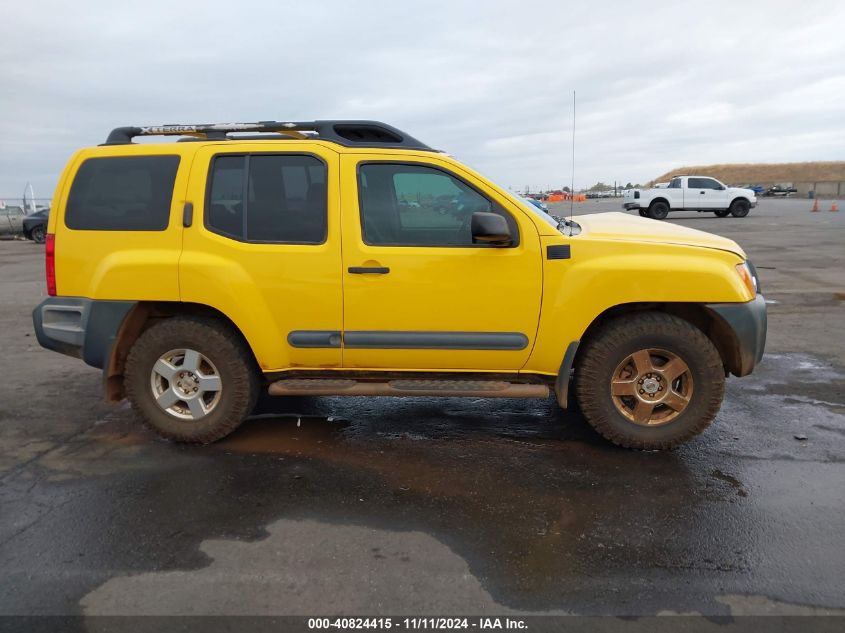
(658, 211)
(722, 213)
(740, 208)
(191, 379)
(650, 381)
(643, 213)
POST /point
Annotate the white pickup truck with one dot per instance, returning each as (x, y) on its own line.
(691, 193)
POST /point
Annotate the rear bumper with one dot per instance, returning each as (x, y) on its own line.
(748, 323)
(79, 327)
(29, 224)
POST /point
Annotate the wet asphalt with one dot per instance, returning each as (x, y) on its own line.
(438, 506)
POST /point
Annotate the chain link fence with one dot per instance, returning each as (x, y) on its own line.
(27, 205)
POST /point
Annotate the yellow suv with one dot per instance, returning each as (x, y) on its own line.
(348, 258)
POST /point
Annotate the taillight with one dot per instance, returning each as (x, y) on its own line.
(50, 261)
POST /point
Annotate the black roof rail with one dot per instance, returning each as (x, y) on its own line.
(346, 133)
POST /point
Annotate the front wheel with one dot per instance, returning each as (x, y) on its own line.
(191, 379)
(643, 213)
(740, 208)
(722, 213)
(650, 381)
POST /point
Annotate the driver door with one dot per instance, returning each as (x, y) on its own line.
(418, 293)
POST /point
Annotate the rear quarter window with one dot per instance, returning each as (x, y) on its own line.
(125, 193)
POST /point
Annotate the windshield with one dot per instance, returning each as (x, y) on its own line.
(548, 219)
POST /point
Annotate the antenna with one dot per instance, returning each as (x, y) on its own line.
(572, 184)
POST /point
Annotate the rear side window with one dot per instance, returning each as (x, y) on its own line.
(126, 193)
(275, 198)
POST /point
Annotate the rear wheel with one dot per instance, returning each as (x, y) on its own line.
(191, 379)
(658, 211)
(740, 208)
(39, 234)
(722, 213)
(643, 213)
(649, 381)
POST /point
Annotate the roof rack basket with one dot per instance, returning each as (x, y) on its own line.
(346, 133)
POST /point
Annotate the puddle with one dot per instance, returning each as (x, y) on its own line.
(284, 435)
(344, 575)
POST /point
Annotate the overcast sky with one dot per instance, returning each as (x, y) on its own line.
(659, 84)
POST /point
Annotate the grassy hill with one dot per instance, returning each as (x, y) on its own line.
(765, 173)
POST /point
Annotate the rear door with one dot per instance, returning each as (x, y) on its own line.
(16, 216)
(264, 248)
(675, 193)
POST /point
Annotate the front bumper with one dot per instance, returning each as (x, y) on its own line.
(747, 322)
(630, 205)
(80, 327)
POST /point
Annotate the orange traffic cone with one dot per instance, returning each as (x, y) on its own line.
(833, 206)
(815, 208)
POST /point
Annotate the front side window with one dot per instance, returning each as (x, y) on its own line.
(278, 198)
(415, 205)
(675, 184)
(125, 193)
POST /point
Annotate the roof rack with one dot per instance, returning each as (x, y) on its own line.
(346, 133)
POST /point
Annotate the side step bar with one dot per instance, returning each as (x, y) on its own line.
(445, 388)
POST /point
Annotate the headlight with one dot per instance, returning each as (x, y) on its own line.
(748, 278)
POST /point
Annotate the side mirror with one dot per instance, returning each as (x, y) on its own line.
(491, 228)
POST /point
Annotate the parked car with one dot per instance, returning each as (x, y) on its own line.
(35, 226)
(537, 203)
(193, 297)
(691, 193)
(11, 219)
(780, 191)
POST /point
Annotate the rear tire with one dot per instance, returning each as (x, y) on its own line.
(39, 234)
(658, 211)
(210, 398)
(722, 213)
(677, 407)
(740, 208)
(643, 213)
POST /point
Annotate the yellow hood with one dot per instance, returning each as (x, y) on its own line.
(629, 228)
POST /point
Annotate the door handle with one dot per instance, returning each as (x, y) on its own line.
(187, 214)
(701, 192)
(368, 270)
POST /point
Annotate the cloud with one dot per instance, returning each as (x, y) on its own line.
(659, 84)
